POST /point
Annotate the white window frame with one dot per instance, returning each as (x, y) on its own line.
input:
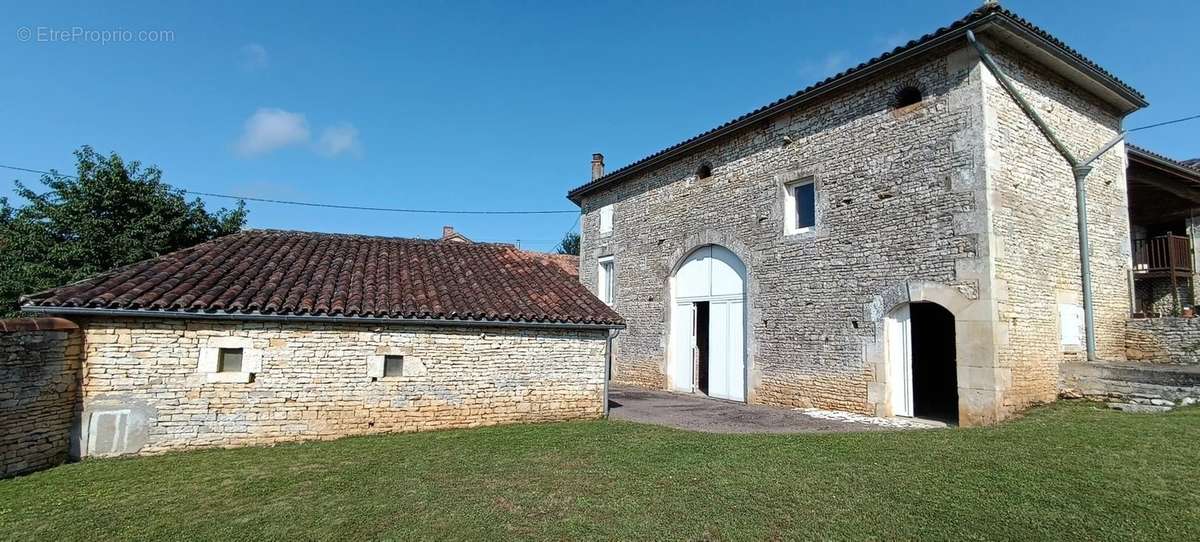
(606, 286)
(606, 219)
(790, 219)
(209, 363)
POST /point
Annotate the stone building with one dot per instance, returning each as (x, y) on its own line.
(1164, 215)
(270, 336)
(899, 239)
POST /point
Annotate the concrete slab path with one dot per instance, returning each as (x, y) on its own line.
(699, 413)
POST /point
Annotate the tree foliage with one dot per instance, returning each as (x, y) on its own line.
(569, 244)
(110, 214)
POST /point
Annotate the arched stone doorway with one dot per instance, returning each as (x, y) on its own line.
(708, 324)
(922, 364)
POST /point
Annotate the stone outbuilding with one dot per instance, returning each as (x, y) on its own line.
(899, 239)
(270, 336)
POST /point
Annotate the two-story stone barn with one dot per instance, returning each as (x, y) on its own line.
(899, 239)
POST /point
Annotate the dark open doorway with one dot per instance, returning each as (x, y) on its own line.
(934, 374)
(702, 346)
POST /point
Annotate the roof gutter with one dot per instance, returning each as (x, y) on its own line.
(991, 19)
(143, 313)
(796, 101)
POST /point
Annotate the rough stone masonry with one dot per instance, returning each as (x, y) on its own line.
(39, 389)
(314, 381)
(958, 200)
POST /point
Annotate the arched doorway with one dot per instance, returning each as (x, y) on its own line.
(708, 329)
(922, 370)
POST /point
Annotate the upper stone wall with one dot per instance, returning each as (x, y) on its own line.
(1034, 224)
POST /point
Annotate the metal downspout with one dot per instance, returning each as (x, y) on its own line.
(608, 357)
(1079, 170)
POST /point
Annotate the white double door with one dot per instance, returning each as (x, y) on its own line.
(726, 347)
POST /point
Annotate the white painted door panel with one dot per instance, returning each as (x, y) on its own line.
(899, 360)
(726, 272)
(725, 361)
(692, 280)
(680, 362)
(736, 352)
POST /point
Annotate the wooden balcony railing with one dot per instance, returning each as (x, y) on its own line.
(1165, 255)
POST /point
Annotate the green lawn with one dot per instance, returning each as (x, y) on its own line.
(1068, 471)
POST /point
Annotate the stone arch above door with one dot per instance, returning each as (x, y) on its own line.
(978, 332)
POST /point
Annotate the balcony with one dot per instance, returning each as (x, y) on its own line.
(1162, 256)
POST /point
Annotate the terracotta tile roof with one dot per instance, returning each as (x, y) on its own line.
(268, 272)
(1184, 167)
(566, 262)
(976, 17)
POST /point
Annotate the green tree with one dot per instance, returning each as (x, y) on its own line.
(569, 244)
(111, 213)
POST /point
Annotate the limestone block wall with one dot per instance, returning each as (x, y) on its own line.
(144, 389)
(1154, 296)
(899, 201)
(1163, 340)
(1034, 225)
(39, 371)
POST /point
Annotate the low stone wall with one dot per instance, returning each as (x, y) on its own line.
(1124, 381)
(1163, 340)
(39, 373)
(147, 389)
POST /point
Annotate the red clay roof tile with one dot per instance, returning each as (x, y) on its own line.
(322, 274)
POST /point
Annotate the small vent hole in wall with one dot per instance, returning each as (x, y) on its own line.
(907, 96)
(704, 171)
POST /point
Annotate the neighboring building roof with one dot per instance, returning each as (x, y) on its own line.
(1010, 26)
(448, 234)
(267, 273)
(1185, 168)
(566, 262)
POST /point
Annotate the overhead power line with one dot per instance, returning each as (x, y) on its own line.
(334, 205)
(1156, 125)
(442, 211)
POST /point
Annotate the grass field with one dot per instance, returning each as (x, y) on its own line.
(1071, 471)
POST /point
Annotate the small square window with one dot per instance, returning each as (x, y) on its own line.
(800, 206)
(393, 366)
(229, 360)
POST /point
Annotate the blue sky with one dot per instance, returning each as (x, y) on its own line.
(477, 105)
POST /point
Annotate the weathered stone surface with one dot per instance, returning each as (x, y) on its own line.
(1163, 340)
(313, 382)
(1133, 382)
(39, 376)
(1138, 408)
(958, 200)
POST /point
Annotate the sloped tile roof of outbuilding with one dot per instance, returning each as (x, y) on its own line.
(267, 272)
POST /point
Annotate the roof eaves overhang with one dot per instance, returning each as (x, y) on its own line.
(254, 316)
(815, 94)
(1068, 64)
(994, 23)
(1159, 163)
